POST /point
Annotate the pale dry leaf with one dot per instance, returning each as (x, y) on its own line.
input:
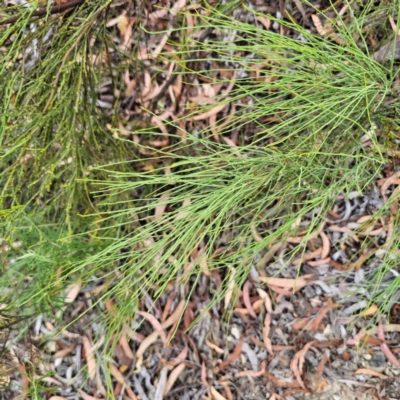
(162, 381)
(231, 287)
(155, 323)
(288, 283)
(266, 330)
(216, 395)
(326, 246)
(214, 347)
(90, 361)
(123, 342)
(209, 113)
(146, 343)
(86, 396)
(266, 22)
(173, 376)
(267, 300)
(116, 373)
(367, 371)
(72, 291)
(175, 316)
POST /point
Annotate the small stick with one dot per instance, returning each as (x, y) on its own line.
(43, 11)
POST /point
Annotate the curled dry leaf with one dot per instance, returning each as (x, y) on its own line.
(297, 363)
(385, 348)
(246, 299)
(155, 323)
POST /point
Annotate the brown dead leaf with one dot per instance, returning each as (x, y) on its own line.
(86, 396)
(237, 351)
(115, 372)
(385, 348)
(297, 363)
(173, 376)
(266, 330)
(288, 283)
(215, 394)
(72, 291)
(246, 299)
(367, 371)
(155, 323)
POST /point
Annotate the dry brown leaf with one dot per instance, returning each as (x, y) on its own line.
(237, 351)
(267, 300)
(307, 256)
(86, 396)
(89, 356)
(385, 348)
(209, 113)
(216, 395)
(173, 376)
(162, 381)
(288, 283)
(214, 347)
(246, 299)
(63, 352)
(175, 316)
(266, 22)
(231, 287)
(266, 330)
(72, 291)
(123, 342)
(367, 371)
(58, 398)
(146, 343)
(155, 323)
(372, 310)
(326, 245)
(297, 363)
(115, 372)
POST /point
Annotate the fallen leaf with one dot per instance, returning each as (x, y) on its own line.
(385, 348)
(237, 351)
(173, 376)
(367, 371)
(246, 299)
(216, 395)
(155, 323)
(90, 361)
